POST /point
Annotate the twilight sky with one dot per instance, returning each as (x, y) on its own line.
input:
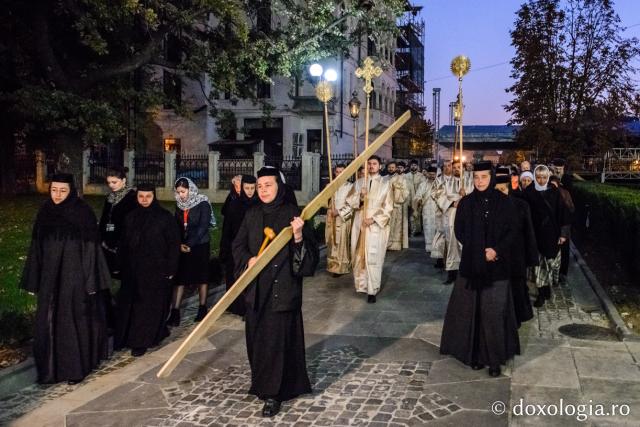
(480, 30)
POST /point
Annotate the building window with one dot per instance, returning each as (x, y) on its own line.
(263, 19)
(263, 90)
(314, 140)
(172, 49)
(172, 87)
(371, 47)
(172, 144)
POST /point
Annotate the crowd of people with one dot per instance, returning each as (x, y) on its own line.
(75, 258)
(500, 233)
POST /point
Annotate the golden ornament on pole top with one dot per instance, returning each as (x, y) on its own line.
(324, 92)
(460, 66)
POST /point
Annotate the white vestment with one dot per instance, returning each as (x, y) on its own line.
(338, 232)
(368, 252)
(449, 193)
(425, 203)
(413, 182)
(398, 223)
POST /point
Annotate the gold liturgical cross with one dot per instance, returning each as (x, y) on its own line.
(368, 72)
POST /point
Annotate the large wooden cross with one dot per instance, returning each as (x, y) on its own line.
(276, 245)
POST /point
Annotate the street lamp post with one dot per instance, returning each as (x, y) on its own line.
(354, 111)
(324, 93)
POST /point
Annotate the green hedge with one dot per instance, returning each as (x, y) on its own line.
(610, 216)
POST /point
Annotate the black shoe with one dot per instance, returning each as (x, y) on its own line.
(539, 302)
(371, 299)
(271, 408)
(74, 382)
(174, 318)
(202, 312)
(476, 367)
(137, 352)
(451, 277)
(494, 371)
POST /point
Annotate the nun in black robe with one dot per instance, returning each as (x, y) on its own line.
(524, 254)
(274, 329)
(480, 325)
(551, 221)
(65, 267)
(149, 254)
(236, 211)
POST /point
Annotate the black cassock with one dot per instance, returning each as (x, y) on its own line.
(149, 253)
(524, 254)
(66, 268)
(480, 324)
(274, 329)
(234, 210)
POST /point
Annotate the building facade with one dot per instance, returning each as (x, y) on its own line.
(295, 123)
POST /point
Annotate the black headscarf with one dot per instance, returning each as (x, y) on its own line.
(482, 206)
(271, 211)
(141, 216)
(71, 218)
(244, 198)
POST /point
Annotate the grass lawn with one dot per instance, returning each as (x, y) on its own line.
(16, 220)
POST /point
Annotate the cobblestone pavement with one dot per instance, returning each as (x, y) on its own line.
(372, 364)
(31, 397)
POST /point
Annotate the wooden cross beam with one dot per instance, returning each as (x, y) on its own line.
(276, 245)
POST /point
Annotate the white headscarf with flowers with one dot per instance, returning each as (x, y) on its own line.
(193, 199)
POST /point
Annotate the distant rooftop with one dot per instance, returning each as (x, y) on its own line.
(479, 134)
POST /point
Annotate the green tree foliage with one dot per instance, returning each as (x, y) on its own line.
(573, 73)
(75, 71)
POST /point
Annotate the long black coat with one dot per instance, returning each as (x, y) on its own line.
(234, 215)
(551, 219)
(274, 328)
(525, 249)
(524, 255)
(149, 253)
(65, 267)
(115, 214)
(281, 279)
(480, 325)
(500, 236)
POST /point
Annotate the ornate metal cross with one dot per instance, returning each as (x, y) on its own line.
(368, 72)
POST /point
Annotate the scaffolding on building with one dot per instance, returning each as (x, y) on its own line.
(410, 60)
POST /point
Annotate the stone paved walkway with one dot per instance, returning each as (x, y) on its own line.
(373, 364)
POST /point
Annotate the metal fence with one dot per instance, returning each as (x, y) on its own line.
(345, 159)
(101, 159)
(149, 168)
(228, 168)
(291, 168)
(195, 167)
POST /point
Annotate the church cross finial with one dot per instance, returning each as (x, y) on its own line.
(368, 72)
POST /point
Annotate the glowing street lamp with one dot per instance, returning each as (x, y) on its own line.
(324, 93)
